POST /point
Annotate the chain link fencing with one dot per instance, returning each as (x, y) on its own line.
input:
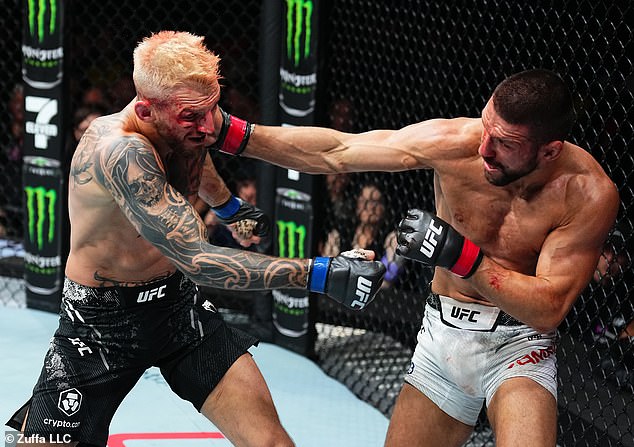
(389, 64)
(386, 65)
(11, 125)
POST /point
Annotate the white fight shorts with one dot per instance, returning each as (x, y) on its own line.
(466, 350)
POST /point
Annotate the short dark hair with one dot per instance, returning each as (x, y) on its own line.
(539, 99)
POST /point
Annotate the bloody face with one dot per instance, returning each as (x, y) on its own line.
(185, 121)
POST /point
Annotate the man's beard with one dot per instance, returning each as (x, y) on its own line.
(505, 177)
(166, 135)
(176, 143)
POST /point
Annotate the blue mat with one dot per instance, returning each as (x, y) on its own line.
(315, 409)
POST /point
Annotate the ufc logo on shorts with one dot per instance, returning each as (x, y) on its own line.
(460, 314)
(364, 287)
(430, 242)
(149, 295)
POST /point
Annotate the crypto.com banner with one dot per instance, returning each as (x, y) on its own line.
(43, 179)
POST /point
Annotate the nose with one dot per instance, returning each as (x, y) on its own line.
(485, 150)
(206, 123)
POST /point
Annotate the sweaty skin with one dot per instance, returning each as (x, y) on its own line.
(541, 231)
(130, 212)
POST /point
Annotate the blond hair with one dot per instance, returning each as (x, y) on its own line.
(171, 59)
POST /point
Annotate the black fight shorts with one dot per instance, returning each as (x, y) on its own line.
(108, 336)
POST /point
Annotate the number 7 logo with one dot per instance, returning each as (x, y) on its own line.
(45, 109)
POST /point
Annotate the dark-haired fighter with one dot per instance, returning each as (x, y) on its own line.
(521, 216)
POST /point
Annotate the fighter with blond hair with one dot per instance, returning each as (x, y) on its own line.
(138, 250)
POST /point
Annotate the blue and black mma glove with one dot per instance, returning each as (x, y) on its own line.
(237, 210)
(347, 278)
(426, 238)
(233, 136)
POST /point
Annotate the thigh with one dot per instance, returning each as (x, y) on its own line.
(242, 408)
(522, 412)
(417, 421)
(76, 395)
(447, 367)
(196, 367)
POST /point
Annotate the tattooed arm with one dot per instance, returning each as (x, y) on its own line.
(134, 175)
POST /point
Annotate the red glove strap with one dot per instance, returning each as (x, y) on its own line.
(235, 135)
(468, 260)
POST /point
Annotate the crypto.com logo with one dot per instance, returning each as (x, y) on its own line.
(69, 401)
(299, 15)
(37, 10)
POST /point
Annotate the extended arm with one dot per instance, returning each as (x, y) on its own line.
(318, 150)
(137, 182)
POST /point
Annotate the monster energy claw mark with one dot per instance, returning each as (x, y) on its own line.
(298, 21)
(36, 198)
(37, 25)
(295, 235)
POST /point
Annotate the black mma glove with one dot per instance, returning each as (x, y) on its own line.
(234, 135)
(426, 238)
(352, 282)
(236, 209)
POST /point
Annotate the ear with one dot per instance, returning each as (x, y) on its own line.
(142, 110)
(551, 151)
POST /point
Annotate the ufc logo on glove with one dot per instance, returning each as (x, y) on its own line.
(364, 288)
(429, 243)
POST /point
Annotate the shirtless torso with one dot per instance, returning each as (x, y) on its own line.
(539, 211)
(106, 249)
(541, 234)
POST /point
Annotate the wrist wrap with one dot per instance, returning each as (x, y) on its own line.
(319, 274)
(228, 209)
(237, 135)
(468, 261)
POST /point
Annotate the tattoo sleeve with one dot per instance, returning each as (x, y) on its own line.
(136, 180)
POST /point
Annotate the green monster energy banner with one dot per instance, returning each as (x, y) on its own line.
(292, 319)
(298, 77)
(298, 70)
(42, 73)
(43, 193)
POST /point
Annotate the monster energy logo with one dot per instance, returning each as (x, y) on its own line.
(298, 21)
(291, 238)
(36, 11)
(40, 204)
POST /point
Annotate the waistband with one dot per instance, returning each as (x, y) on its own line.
(166, 289)
(503, 318)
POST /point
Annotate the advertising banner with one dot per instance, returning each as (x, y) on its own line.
(298, 77)
(298, 68)
(43, 193)
(293, 324)
(292, 317)
(43, 76)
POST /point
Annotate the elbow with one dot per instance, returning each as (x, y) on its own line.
(550, 320)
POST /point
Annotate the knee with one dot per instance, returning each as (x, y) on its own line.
(276, 438)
